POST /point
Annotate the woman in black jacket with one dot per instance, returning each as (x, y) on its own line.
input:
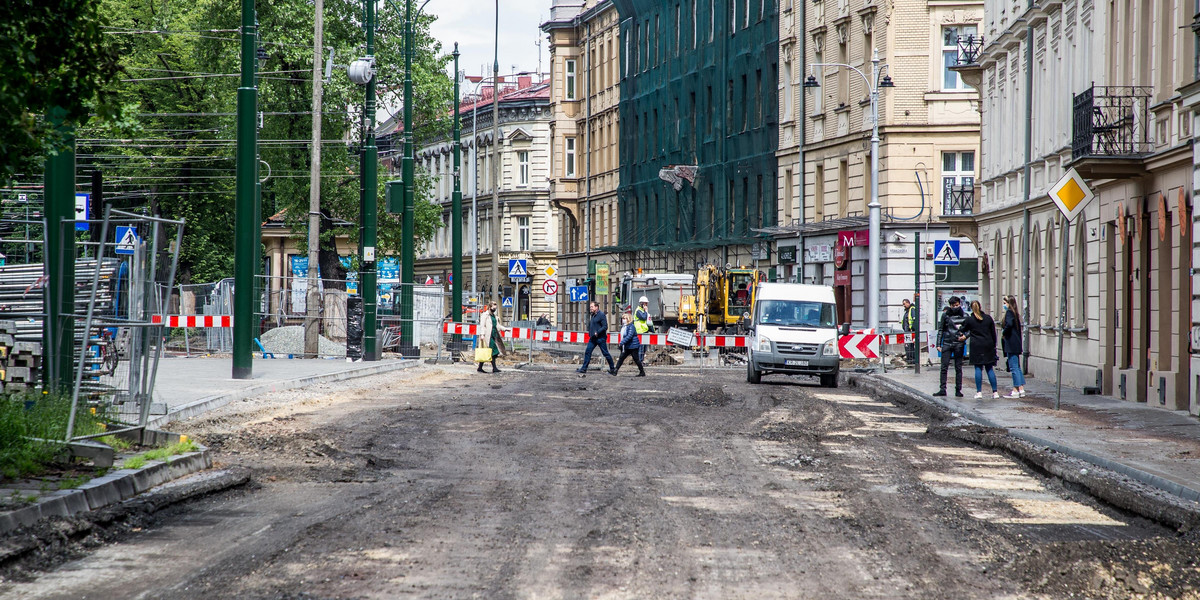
(1011, 341)
(980, 332)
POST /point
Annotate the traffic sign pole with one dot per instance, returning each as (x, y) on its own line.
(1072, 195)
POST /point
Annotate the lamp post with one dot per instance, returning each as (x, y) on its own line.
(873, 83)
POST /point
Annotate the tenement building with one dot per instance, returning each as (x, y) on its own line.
(585, 78)
(1093, 86)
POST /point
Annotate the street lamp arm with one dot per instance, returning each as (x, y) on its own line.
(866, 80)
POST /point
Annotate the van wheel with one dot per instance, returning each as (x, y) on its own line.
(752, 376)
(829, 381)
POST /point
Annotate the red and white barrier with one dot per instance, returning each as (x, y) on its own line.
(192, 320)
(900, 338)
(859, 345)
(580, 337)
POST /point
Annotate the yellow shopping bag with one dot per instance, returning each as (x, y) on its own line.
(483, 355)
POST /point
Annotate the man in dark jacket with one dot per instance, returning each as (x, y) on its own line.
(951, 343)
(598, 336)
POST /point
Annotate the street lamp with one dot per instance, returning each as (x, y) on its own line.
(873, 258)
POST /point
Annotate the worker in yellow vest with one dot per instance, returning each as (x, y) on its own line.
(642, 323)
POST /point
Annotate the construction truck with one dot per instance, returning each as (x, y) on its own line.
(723, 299)
(665, 291)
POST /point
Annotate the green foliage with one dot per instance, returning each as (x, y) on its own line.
(56, 62)
(116, 443)
(169, 139)
(139, 461)
(30, 427)
(134, 462)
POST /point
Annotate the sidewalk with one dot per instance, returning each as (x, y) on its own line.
(1158, 447)
(191, 386)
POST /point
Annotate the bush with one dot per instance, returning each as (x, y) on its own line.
(32, 428)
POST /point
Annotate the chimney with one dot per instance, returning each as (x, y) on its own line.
(524, 81)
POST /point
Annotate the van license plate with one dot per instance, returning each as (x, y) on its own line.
(796, 363)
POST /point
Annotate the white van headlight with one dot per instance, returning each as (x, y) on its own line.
(830, 348)
(764, 344)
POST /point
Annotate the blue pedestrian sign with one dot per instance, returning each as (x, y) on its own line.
(945, 252)
(579, 293)
(507, 302)
(516, 268)
(127, 240)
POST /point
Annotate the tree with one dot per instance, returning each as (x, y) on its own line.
(55, 57)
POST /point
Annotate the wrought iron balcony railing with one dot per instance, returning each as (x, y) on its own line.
(969, 47)
(959, 200)
(1112, 121)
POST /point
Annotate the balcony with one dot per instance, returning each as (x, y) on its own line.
(959, 208)
(1110, 131)
(967, 67)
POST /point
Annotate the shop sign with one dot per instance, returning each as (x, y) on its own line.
(841, 278)
(839, 256)
(787, 255)
(861, 237)
(818, 253)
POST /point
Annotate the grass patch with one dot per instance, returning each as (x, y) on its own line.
(116, 443)
(42, 416)
(139, 461)
(72, 482)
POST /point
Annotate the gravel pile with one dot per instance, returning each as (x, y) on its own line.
(282, 341)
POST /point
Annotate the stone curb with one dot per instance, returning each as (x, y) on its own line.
(1147, 494)
(107, 490)
(203, 405)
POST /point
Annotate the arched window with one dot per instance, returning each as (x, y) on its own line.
(1052, 266)
(996, 276)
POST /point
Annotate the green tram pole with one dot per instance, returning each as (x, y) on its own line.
(456, 204)
(246, 247)
(58, 329)
(407, 254)
(369, 210)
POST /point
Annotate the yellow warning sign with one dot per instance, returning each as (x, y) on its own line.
(1071, 194)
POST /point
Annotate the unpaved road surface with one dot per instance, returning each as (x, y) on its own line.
(442, 483)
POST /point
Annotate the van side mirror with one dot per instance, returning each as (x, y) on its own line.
(844, 329)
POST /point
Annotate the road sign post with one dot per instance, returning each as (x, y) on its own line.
(946, 252)
(1071, 194)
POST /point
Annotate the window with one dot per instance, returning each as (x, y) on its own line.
(950, 55)
(523, 234)
(819, 194)
(787, 197)
(570, 80)
(958, 182)
(523, 164)
(569, 161)
(786, 86)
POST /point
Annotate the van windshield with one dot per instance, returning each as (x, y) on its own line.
(795, 313)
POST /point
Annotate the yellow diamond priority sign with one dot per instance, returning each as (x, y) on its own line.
(1071, 194)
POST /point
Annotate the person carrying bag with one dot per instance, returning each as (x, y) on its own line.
(489, 341)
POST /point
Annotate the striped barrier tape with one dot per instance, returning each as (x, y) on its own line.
(900, 338)
(580, 337)
(192, 320)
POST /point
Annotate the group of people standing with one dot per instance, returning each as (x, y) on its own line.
(490, 334)
(976, 332)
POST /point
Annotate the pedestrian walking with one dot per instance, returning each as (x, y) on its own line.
(950, 342)
(1012, 344)
(979, 331)
(630, 346)
(597, 338)
(642, 323)
(908, 323)
(491, 335)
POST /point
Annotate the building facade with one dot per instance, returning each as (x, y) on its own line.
(1190, 96)
(1104, 80)
(528, 220)
(696, 79)
(929, 139)
(585, 135)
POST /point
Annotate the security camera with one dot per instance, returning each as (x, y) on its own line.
(899, 236)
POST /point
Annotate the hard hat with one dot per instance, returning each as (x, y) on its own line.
(643, 300)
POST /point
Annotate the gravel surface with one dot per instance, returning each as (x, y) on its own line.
(290, 340)
(439, 482)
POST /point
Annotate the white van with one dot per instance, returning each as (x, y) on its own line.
(794, 331)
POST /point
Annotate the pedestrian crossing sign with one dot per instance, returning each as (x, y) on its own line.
(507, 302)
(945, 252)
(127, 240)
(516, 268)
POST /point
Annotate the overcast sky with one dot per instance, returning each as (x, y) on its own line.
(471, 23)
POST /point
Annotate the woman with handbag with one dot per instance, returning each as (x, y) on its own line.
(1011, 341)
(489, 344)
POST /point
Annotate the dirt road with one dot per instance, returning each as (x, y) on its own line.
(442, 483)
